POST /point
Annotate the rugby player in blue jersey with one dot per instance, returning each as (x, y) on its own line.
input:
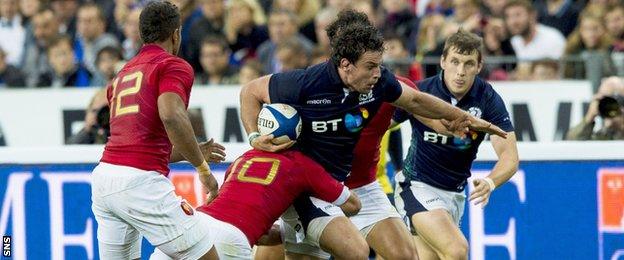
(430, 190)
(336, 100)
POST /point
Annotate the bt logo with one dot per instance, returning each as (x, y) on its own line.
(461, 143)
(352, 122)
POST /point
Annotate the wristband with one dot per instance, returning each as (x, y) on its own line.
(490, 183)
(252, 136)
(203, 168)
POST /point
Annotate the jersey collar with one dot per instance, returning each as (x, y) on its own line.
(333, 74)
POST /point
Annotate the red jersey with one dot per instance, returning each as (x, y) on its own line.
(138, 138)
(260, 186)
(366, 153)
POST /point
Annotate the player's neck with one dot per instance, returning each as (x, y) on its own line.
(167, 46)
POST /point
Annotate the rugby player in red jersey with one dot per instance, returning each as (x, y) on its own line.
(259, 186)
(132, 197)
(378, 221)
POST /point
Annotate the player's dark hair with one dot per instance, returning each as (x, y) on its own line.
(351, 35)
(465, 43)
(158, 21)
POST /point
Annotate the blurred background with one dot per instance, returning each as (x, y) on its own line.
(558, 64)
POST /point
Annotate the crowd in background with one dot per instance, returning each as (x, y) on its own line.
(82, 43)
(63, 43)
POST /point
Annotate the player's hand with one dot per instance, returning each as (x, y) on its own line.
(211, 185)
(213, 152)
(481, 125)
(481, 193)
(457, 127)
(264, 143)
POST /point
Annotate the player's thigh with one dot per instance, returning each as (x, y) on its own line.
(342, 239)
(116, 238)
(437, 228)
(269, 252)
(164, 219)
(425, 252)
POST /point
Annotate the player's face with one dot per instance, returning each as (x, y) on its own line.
(460, 71)
(362, 75)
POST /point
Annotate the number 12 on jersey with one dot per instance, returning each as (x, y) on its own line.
(117, 109)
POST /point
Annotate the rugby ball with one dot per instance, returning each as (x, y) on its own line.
(280, 120)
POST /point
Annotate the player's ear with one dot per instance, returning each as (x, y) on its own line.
(442, 61)
(344, 63)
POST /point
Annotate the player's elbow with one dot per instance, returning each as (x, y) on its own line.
(256, 90)
(352, 206)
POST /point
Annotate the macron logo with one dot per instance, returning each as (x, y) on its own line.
(318, 102)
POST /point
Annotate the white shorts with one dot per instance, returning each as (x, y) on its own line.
(375, 207)
(412, 197)
(230, 242)
(301, 234)
(129, 203)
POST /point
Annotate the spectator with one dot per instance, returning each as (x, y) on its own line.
(321, 21)
(65, 71)
(96, 127)
(190, 13)
(210, 23)
(28, 9)
(282, 27)
(591, 43)
(108, 61)
(366, 7)
(305, 10)
(12, 32)
(132, 43)
(35, 60)
(10, 76)
(493, 8)
(531, 40)
(65, 11)
(398, 59)
(244, 28)
(466, 14)
(546, 69)
(252, 69)
(559, 14)
(399, 19)
(497, 42)
(92, 35)
(291, 54)
(214, 59)
(614, 23)
(608, 104)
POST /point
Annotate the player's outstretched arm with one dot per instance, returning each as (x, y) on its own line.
(172, 112)
(505, 168)
(453, 118)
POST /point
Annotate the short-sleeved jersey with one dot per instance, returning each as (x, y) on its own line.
(444, 161)
(367, 150)
(260, 186)
(333, 117)
(138, 138)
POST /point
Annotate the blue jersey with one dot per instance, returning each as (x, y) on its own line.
(332, 116)
(445, 161)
